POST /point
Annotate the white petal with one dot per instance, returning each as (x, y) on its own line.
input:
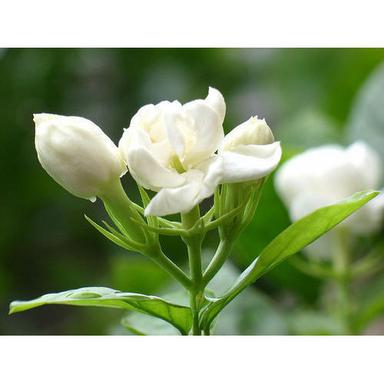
(149, 173)
(250, 162)
(176, 127)
(369, 218)
(205, 131)
(174, 200)
(329, 170)
(252, 131)
(182, 199)
(216, 101)
(304, 204)
(367, 162)
(134, 138)
(309, 171)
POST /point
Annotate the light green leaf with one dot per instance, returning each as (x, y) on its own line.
(367, 117)
(287, 243)
(177, 315)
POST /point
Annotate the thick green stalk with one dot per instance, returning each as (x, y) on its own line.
(193, 242)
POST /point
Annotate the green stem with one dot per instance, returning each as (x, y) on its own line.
(168, 265)
(196, 290)
(341, 265)
(218, 260)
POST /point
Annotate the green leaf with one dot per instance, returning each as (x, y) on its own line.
(177, 315)
(297, 236)
(367, 118)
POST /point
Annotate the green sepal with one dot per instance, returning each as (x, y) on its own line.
(114, 236)
(152, 220)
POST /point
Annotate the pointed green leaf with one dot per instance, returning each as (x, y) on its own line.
(287, 243)
(177, 315)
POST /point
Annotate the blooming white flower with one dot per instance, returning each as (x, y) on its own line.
(172, 148)
(77, 154)
(169, 148)
(327, 174)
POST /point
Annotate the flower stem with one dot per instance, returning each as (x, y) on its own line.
(221, 254)
(342, 273)
(168, 265)
(196, 291)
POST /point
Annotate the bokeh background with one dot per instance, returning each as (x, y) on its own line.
(308, 96)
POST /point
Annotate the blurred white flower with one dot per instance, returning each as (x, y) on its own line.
(77, 154)
(324, 175)
(180, 152)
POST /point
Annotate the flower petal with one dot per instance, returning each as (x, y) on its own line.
(216, 101)
(149, 173)
(249, 162)
(174, 200)
(177, 129)
(367, 163)
(198, 186)
(252, 132)
(204, 130)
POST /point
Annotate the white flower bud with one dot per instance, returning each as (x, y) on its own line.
(253, 131)
(77, 154)
(249, 152)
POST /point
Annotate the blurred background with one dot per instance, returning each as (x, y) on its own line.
(308, 96)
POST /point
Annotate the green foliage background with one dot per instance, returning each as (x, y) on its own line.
(308, 97)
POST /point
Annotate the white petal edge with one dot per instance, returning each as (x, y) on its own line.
(250, 162)
(216, 101)
(149, 173)
(199, 185)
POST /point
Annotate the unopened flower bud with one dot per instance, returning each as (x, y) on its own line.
(77, 154)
